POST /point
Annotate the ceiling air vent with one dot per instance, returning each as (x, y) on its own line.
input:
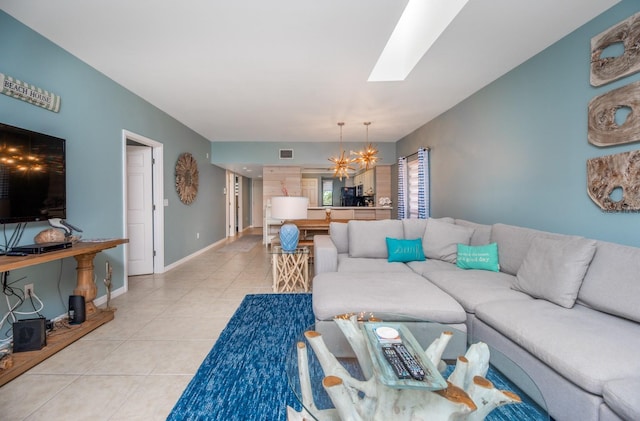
(286, 153)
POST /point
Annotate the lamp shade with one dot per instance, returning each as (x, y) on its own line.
(289, 207)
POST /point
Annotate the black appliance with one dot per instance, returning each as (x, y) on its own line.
(348, 196)
(359, 190)
(77, 309)
(32, 176)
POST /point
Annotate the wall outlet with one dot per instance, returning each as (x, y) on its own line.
(197, 235)
(29, 290)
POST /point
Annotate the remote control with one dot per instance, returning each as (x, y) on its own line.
(391, 356)
(414, 368)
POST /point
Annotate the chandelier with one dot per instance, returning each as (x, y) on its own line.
(341, 164)
(369, 155)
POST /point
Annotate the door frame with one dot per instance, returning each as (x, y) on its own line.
(157, 154)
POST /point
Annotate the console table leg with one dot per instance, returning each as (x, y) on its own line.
(85, 284)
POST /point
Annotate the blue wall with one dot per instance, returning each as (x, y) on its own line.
(93, 114)
(516, 151)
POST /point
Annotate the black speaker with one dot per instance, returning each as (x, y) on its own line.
(29, 335)
(77, 313)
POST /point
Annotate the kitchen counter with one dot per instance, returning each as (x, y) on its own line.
(350, 212)
(349, 207)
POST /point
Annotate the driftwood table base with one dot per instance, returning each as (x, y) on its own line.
(290, 270)
(468, 396)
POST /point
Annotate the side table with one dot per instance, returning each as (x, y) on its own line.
(290, 269)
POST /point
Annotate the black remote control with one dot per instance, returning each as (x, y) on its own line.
(413, 366)
(391, 356)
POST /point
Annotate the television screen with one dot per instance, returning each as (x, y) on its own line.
(32, 176)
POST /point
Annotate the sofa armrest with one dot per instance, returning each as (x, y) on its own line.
(325, 254)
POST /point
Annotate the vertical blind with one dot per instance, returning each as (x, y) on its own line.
(413, 186)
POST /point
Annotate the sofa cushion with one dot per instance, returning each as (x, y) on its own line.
(441, 240)
(623, 397)
(339, 232)
(587, 347)
(612, 282)
(474, 287)
(478, 257)
(481, 232)
(338, 293)
(553, 269)
(414, 228)
(513, 244)
(401, 250)
(368, 238)
(430, 265)
(365, 264)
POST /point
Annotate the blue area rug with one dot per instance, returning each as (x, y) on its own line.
(244, 378)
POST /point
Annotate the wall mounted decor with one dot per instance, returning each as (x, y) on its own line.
(603, 128)
(187, 178)
(607, 69)
(614, 181)
(29, 93)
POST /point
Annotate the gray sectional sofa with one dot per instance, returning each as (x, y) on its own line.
(564, 308)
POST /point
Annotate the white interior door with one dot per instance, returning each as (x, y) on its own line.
(257, 213)
(140, 209)
(231, 204)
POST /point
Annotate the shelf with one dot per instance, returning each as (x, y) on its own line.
(84, 253)
(58, 340)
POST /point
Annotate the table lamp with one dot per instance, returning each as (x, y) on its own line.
(288, 208)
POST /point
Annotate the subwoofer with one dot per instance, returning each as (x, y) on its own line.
(29, 335)
(77, 311)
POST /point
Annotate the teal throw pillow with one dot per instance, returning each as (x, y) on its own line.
(404, 250)
(478, 257)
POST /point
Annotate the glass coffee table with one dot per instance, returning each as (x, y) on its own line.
(338, 371)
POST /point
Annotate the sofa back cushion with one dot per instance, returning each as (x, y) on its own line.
(553, 269)
(339, 233)
(513, 244)
(414, 227)
(481, 234)
(368, 238)
(612, 283)
(441, 240)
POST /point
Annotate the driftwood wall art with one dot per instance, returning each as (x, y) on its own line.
(607, 69)
(607, 175)
(603, 128)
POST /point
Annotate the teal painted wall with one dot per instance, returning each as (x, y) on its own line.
(516, 151)
(93, 114)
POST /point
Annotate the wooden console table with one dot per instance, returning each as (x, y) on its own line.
(84, 253)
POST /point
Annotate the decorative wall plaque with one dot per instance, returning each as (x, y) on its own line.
(29, 93)
(608, 69)
(614, 181)
(603, 128)
(187, 178)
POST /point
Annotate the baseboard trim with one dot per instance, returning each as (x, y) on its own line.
(192, 255)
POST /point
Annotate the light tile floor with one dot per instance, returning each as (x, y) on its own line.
(136, 366)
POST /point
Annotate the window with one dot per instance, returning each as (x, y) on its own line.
(413, 186)
(327, 192)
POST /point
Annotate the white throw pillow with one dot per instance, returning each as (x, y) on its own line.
(553, 269)
(441, 240)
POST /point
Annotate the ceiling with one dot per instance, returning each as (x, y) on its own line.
(289, 70)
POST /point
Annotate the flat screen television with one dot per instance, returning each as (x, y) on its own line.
(32, 176)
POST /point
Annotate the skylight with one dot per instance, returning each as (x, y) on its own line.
(419, 27)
